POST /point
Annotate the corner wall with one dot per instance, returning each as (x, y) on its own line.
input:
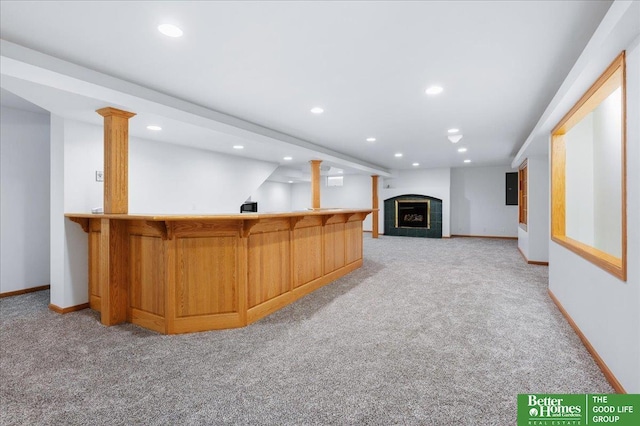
(69, 273)
(604, 308)
(478, 202)
(273, 197)
(533, 241)
(24, 199)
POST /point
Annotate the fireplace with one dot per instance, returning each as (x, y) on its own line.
(413, 214)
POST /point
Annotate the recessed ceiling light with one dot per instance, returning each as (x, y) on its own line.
(399, 154)
(288, 158)
(371, 139)
(170, 30)
(415, 164)
(317, 110)
(156, 128)
(453, 130)
(434, 90)
(454, 138)
(467, 161)
(290, 181)
(462, 149)
(238, 147)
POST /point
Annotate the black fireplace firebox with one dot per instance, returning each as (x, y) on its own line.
(413, 214)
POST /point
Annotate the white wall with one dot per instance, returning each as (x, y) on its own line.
(478, 202)
(432, 182)
(607, 170)
(69, 243)
(606, 309)
(523, 242)
(24, 199)
(593, 190)
(538, 210)
(579, 181)
(301, 196)
(163, 178)
(83, 156)
(273, 197)
(533, 240)
(355, 194)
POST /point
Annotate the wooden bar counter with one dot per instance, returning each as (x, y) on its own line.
(181, 274)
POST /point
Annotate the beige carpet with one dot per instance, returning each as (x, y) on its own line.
(428, 332)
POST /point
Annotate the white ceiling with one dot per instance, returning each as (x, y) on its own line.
(366, 63)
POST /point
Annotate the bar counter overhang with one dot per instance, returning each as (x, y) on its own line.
(180, 274)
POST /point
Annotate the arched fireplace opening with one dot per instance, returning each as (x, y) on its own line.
(413, 215)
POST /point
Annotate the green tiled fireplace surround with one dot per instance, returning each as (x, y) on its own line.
(435, 230)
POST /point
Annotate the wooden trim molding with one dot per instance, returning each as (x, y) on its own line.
(523, 191)
(315, 183)
(82, 221)
(612, 78)
(24, 291)
(532, 262)
(605, 85)
(609, 263)
(615, 384)
(110, 111)
(59, 310)
(116, 159)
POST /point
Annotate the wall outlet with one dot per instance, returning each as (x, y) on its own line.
(99, 176)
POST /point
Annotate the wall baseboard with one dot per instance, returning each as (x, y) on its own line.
(483, 236)
(25, 291)
(615, 384)
(59, 310)
(532, 262)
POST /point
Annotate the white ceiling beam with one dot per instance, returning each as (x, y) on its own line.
(30, 65)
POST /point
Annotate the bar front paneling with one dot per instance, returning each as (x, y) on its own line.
(180, 274)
